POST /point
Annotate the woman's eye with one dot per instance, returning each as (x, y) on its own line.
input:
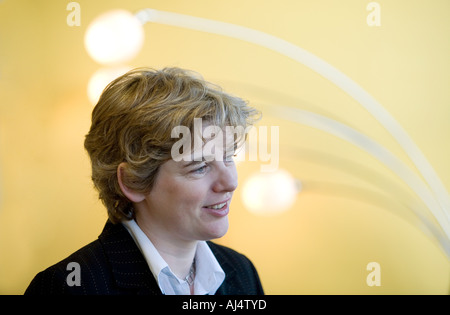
(200, 170)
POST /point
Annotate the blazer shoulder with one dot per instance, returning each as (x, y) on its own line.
(110, 265)
(86, 265)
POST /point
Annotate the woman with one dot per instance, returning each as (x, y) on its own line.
(166, 195)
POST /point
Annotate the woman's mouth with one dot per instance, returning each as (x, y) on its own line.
(218, 209)
(218, 206)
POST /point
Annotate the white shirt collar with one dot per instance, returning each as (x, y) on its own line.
(208, 273)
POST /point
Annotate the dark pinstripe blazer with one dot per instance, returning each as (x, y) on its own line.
(113, 264)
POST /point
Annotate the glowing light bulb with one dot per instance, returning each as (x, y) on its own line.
(100, 79)
(114, 37)
(270, 193)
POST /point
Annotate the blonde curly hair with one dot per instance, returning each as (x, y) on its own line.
(132, 123)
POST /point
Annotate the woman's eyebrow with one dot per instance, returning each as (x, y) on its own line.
(205, 158)
(193, 162)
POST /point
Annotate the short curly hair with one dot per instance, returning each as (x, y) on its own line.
(132, 123)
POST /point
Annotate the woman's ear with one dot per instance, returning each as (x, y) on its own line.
(132, 195)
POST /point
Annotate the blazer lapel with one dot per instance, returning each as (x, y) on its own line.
(131, 272)
(229, 284)
(129, 268)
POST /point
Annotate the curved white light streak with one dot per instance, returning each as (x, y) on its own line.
(367, 144)
(327, 71)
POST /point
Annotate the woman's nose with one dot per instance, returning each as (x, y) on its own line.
(226, 180)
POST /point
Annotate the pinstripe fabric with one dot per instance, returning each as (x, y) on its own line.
(113, 265)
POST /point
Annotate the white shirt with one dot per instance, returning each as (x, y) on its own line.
(208, 273)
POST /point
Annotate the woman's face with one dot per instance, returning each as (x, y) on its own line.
(191, 200)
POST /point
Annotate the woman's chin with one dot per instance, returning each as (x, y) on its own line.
(217, 229)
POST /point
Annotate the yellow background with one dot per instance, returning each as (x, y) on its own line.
(352, 209)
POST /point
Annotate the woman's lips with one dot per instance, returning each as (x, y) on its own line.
(219, 209)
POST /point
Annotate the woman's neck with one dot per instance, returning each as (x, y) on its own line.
(178, 254)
